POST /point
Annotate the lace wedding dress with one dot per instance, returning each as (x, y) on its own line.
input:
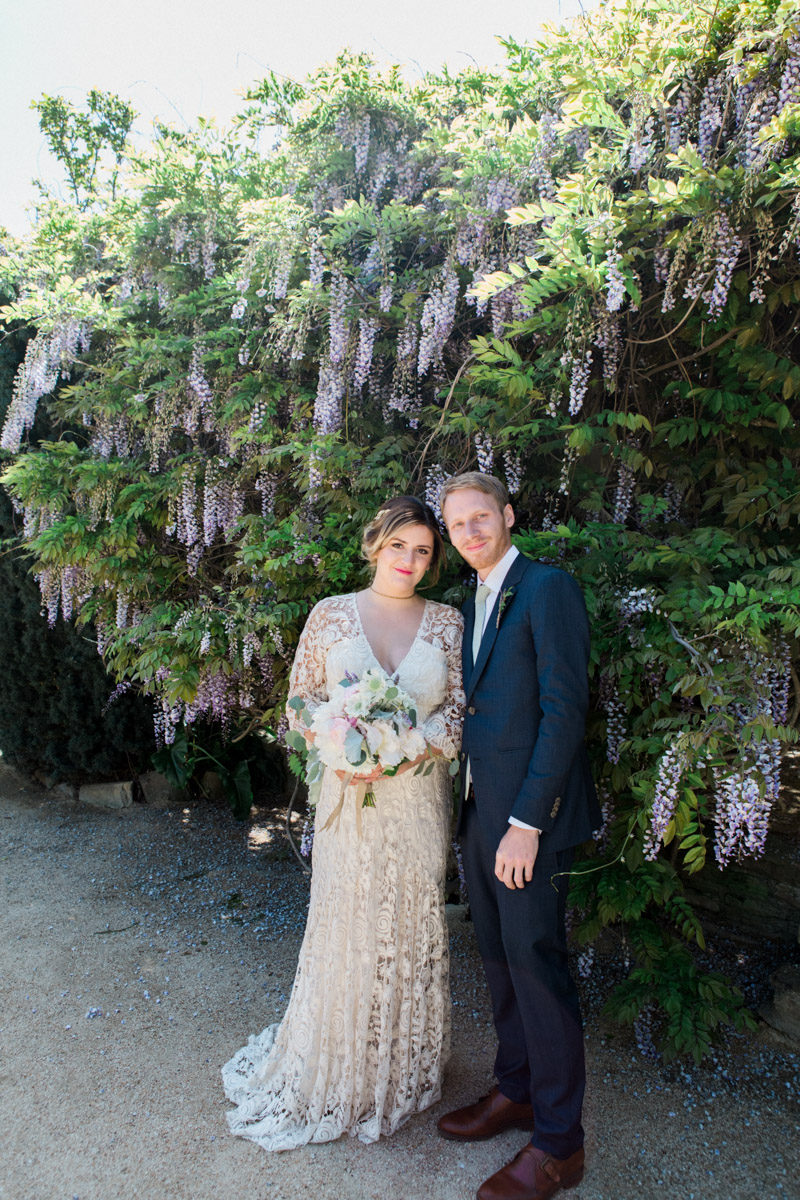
(365, 1035)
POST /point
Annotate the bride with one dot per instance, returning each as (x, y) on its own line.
(365, 1035)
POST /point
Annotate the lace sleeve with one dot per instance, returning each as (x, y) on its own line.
(442, 729)
(307, 678)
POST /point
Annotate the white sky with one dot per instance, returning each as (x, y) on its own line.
(175, 59)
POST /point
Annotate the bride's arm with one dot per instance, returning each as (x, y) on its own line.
(307, 678)
(442, 729)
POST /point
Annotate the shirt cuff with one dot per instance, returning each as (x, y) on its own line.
(522, 825)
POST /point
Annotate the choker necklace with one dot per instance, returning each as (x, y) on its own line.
(389, 595)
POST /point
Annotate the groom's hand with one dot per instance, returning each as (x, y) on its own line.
(516, 854)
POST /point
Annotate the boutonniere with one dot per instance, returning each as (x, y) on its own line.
(506, 597)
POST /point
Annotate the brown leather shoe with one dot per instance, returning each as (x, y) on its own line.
(491, 1115)
(533, 1175)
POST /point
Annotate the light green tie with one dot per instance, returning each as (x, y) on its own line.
(477, 633)
(480, 616)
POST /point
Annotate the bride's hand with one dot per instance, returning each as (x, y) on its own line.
(355, 777)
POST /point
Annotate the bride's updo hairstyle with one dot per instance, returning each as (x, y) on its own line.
(390, 518)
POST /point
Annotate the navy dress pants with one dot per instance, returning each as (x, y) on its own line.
(522, 941)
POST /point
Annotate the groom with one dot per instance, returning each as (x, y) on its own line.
(528, 800)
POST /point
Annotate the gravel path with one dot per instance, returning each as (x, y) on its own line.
(139, 948)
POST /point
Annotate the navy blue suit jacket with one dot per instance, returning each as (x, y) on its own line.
(527, 697)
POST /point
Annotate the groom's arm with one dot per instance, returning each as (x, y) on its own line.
(560, 630)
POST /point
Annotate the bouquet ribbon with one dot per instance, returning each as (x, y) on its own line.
(359, 788)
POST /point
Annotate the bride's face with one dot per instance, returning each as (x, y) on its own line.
(402, 561)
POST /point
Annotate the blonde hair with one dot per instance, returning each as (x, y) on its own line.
(392, 516)
(490, 485)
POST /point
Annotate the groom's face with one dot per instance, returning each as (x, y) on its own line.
(479, 529)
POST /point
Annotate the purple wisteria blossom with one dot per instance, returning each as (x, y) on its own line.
(470, 241)
(586, 963)
(203, 410)
(754, 154)
(635, 602)
(741, 817)
(47, 357)
(643, 144)
(790, 78)
(728, 247)
(484, 449)
(608, 339)
(501, 194)
(712, 104)
(580, 367)
(623, 497)
(367, 331)
(434, 480)
(438, 316)
(601, 835)
(615, 280)
(316, 265)
(307, 836)
(328, 404)
(337, 320)
(674, 498)
(616, 717)
(671, 769)
(675, 117)
(512, 468)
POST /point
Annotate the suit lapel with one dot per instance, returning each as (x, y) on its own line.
(515, 573)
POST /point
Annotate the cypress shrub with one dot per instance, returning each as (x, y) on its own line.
(55, 716)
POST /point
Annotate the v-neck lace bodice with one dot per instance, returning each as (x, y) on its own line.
(403, 658)
(334, 642)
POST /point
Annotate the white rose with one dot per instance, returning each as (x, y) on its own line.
(389, 751)
(413, 744)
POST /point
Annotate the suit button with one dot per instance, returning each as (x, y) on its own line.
(471, 711)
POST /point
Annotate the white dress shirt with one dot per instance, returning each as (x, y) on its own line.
(494, 581)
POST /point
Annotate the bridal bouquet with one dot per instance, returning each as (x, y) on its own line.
(367, 722)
